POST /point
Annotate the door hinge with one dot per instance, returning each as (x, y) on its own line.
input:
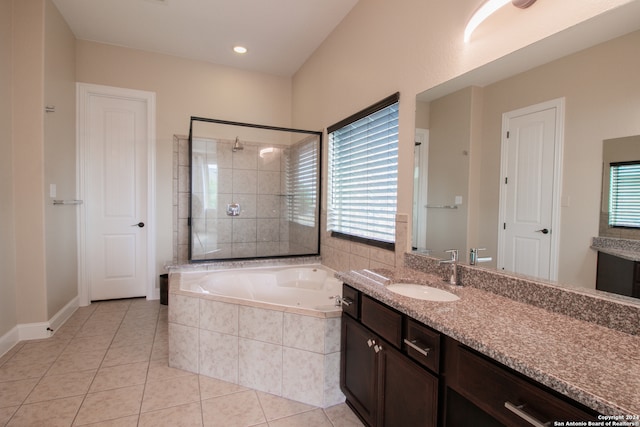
(189, 222)
(504, 225)
(508, 133)
(506, 180)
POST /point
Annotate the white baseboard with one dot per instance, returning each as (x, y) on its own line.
(8, 340)
(38, 330)
(64, 314)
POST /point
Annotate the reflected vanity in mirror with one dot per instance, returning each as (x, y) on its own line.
(255, 191)
(459, 178)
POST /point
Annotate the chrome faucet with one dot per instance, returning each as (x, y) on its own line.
(453, 278)
(473, 256)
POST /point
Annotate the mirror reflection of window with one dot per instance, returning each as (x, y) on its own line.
(624, 194)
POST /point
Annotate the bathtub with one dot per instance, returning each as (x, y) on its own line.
(273, 329)
(310, 287)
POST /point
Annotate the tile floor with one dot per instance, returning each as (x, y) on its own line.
(107, 366)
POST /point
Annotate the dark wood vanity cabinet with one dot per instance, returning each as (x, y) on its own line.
(618, 275)
(482, 392)
(383, 385)
(397, 372)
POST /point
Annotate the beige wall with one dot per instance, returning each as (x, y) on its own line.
(59, 161)
(184, 88)
(449, 147)
(409, 46)
(28, 159)
(8, 315)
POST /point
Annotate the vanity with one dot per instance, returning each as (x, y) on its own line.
(489, 358)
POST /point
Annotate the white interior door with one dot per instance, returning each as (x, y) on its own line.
(116, 135)
(530, 188)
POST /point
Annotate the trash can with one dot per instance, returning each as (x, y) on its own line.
(164, 289)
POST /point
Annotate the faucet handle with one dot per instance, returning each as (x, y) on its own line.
(454, 254)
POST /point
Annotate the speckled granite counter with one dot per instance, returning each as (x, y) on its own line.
(623, 248)
(592, 364)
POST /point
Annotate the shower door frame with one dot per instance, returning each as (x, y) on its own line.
(319, 134)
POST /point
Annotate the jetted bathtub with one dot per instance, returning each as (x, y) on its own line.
(274, 329)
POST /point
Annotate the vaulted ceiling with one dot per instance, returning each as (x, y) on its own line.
(279, 34)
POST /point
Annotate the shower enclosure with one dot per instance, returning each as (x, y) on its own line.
(255, 191)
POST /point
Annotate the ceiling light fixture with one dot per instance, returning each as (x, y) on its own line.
(487, 10)
(240, 49)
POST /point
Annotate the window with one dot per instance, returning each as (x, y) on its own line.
(302, 181)
(624, 194)
(363, 174)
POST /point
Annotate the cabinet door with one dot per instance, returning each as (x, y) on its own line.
(358, 369)
(408, 393)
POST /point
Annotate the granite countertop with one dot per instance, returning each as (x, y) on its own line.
(592, 364)
(631, 255)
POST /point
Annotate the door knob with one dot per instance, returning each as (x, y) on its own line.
(140, 224)
(543, 231)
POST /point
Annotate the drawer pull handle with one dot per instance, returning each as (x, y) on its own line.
(519, 411)
(414, 345)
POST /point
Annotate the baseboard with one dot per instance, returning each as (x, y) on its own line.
(8, 340)
(64, 314)
(40, 330)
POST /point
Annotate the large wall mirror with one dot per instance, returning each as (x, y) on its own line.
(255, 191)
(591, 74)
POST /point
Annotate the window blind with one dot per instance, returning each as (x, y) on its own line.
(302, 182)
(363, 174)
(624, 194)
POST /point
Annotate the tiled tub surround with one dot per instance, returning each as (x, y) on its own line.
(596, 365)
(623, 248)
(287, 351)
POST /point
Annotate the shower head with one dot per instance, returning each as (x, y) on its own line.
(237, 146)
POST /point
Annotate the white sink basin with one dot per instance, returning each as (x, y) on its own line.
(414, 290)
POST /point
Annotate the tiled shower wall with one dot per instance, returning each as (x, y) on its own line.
(257, 183)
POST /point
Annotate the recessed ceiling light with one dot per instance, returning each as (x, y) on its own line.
(240, 49)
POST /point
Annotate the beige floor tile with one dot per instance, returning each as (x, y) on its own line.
(342, 416)
(111, 377)
(211, 387)
(110, 306)
(59, 386)
(160, 370)
(315, 418)
(42, 351)
(15, 392)
(130, 421)
(125, 355)
(73, 362)
(52, 413)
(178, 416)
(89, 343)
(160, 349)
(110, 405)
(171, 392)
(6, 414)
(238, 409)
(275, 407)
(15, 370)
(134, 337)
(9, 354)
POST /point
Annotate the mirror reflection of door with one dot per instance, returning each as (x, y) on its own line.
(530, 179)
(420, 175)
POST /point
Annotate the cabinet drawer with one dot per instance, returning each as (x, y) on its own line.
(382, 320)
(348, 293)
(427, 341)
(503, 394)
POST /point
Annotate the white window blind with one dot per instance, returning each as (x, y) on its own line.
(624, 194)
(302, 181)
(363, 174)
